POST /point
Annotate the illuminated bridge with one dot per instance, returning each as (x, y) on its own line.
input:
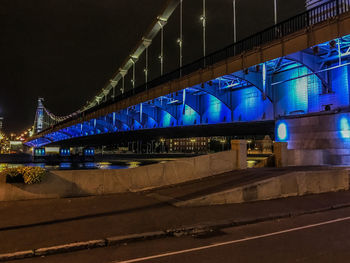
(279, 79)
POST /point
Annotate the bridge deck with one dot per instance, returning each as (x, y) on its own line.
(195, 96)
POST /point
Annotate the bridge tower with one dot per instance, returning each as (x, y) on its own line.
(1, 122)
(39, 117)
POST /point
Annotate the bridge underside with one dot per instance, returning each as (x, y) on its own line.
(226, 129)
(245, 102)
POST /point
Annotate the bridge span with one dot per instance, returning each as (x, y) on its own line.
(297, 69)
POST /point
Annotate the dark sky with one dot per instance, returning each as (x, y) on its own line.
(66, 50)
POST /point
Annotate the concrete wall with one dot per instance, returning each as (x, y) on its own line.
(315, 132)
(99, 182)
(291, 184)
(305, 157)
(319, 139)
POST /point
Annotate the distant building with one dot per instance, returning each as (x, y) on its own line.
(1, 122)
(189, 145)
(16, 146)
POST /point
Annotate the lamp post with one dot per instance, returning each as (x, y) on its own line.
(162, 140)
(234, 21)
(123, 72)
(249, 142)
(161, 23)
(193, 141)
(133, 80)
(146, 43)
(204, 19)
(223, 141)
(180, 39)
(275, 11)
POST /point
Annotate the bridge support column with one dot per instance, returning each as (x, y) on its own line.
(240, 147)
(281, 154)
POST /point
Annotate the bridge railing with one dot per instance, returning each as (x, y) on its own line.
(312, 16)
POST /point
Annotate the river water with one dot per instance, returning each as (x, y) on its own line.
(78, 166)
(111, 164)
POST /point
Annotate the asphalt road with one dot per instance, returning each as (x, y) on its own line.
(320, 237)
(34, 224)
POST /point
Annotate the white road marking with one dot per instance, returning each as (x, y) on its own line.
(232, 241)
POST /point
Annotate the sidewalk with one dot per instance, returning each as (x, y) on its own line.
(43, 223)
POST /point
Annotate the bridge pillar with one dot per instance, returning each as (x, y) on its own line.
(39, 117)
(281, 154)
(240, 147)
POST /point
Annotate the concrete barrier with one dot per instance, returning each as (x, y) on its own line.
(305, 157)
(318, 138)
(281, 154)
(240, 147)
(99, 182)
(291, 184)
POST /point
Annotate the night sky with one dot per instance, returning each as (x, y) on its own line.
(66, 50)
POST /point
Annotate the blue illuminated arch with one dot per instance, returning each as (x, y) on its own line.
(254, 79)
(311, 63)
(214, 110)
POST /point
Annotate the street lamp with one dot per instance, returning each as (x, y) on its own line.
(234, 21)
(249, 142)
(180, 39)
(223, 141)
(275, 11)
(162, 140)
(203, 18)
(193, 142)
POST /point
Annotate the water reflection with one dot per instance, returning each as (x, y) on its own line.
(15, 165)
(133, 164)
(96, 165)
(251, 163)
(65, 166)
(89, 165)
(93, 165)
(76, 166)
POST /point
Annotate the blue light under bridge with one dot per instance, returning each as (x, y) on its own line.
(300, 83)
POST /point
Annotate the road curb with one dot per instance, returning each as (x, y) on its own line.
(176, 232)
(70, 247)
(17, 255)
(111, 241)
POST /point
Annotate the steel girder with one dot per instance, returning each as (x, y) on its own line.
(313, 63)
